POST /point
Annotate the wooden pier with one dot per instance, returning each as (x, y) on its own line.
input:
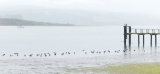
(140, 32)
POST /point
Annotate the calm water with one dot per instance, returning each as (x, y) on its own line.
(33, 39)
(37, 40)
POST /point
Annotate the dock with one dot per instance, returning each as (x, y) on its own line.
(128, 31)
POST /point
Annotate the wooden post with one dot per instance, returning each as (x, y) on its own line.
(138, 41)
(130, 36)
(155, 40)
(151, 41)
(143, 40)
(125, 34)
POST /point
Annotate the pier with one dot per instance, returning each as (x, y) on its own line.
(128, 31)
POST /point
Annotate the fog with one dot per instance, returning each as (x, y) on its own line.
(84, 12)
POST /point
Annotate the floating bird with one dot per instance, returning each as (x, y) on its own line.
(49, 54)
(92, 52)
(108, 51)
(3, 55)
(54, 53)
(62, 54)
(41, 55)
(45, 55)
(30, 55)
(16, 54)
(37, 54)
(11, 55)
(104, 51)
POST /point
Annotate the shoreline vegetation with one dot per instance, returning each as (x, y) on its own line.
(129, 68)
(20, 22)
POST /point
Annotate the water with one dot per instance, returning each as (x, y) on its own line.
(38, 39)
(65, 39)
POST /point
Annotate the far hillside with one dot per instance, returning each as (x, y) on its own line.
(18, 22)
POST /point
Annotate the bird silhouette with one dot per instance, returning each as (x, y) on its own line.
(3, 55)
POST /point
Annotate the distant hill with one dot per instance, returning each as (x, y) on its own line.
(79, 17)
(18, 22)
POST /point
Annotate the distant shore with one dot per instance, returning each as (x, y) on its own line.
(20, 22)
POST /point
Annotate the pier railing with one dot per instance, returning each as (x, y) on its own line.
(144, 31)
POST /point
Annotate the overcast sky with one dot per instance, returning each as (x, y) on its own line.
(128, 6)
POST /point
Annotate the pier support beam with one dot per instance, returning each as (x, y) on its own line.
(125, 34)
(155, 40)
(143, 40)
(151, 41)
(138, 41)
(129, 36)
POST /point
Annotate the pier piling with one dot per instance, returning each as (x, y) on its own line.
(138, 41)
(125, 34)
(143, 40)
(129, 35)
(155, 40)
(151, 41)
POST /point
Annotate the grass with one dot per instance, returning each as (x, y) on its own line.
(138, 68)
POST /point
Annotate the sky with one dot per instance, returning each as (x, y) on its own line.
(114, 11)
(128, 6)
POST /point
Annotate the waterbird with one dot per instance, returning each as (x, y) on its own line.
(49, 54)
(41, 55)
(54, 53)
(11, 55)
(3, 55)
(30, 55)
(62, 54)
(85, 52)
(104, 51)
(37, 54)
(45, 55)
(97, 51)
(16, 54)
(108, 51)
(92, 52)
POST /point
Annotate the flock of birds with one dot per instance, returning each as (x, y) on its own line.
(65, 53)
(54, 53)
